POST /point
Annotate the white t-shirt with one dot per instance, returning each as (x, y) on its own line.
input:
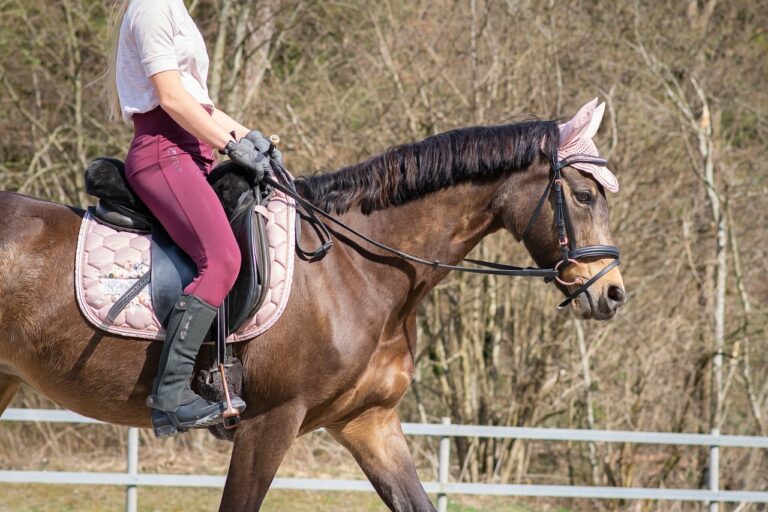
(155, 36)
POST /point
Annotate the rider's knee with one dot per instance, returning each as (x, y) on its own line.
(227, 263)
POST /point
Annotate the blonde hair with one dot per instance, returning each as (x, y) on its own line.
(115, 21)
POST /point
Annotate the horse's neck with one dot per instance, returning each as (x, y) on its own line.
(444, 225)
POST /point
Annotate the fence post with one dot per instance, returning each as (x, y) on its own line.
(131, 492)
(443, 469)
(714, 471)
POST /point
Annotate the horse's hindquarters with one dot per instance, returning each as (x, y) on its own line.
(45, 341)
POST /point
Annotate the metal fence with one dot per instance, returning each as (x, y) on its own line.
(131, 479)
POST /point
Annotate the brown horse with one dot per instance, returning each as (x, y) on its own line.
(342, 355)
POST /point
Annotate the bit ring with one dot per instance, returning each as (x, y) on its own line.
(578, 281)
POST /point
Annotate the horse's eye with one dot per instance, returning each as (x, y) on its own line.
(583, 196)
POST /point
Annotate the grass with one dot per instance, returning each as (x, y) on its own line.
(102, 498)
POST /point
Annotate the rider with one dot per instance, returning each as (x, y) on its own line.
(158, 70)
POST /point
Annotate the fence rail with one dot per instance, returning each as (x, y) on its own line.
(131, 479)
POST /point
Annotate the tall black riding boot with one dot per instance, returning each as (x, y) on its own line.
(175, 407)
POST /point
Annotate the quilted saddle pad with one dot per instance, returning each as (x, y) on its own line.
(109, 261)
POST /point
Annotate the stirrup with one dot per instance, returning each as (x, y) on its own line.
(199, 413)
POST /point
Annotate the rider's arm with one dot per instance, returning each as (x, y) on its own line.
(187, 111)
(229, 124)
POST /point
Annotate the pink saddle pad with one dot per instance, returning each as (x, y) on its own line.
(109, 262)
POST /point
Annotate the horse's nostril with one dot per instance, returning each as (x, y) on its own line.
(616, 294)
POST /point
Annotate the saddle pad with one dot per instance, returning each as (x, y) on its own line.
(108, 262)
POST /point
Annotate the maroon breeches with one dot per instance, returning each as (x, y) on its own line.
(167, 167)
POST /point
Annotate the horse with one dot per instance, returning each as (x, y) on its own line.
(342, 355)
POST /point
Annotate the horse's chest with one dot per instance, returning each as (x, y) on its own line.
(385, 379)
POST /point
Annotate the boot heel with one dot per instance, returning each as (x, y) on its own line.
(167, 431)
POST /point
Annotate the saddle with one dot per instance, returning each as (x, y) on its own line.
(171, 269)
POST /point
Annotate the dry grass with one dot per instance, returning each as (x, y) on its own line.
(65, 447)
(60, 498)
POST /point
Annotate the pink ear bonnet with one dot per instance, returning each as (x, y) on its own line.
(576, 139)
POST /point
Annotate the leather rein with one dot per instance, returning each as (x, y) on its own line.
(569, 254)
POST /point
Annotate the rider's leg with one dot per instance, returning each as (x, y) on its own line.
(177, 193)
(175, 190)
(175, 406)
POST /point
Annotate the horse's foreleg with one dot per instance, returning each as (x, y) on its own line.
(376, 440)
(8, 388)
(260, 445)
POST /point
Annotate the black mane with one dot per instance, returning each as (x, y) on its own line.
(410, 171)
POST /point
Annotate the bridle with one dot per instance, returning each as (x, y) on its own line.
(282, 181)
(569, 253)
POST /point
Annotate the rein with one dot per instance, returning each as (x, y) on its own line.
(283, 182)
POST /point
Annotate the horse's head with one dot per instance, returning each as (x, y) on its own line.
(529, 205)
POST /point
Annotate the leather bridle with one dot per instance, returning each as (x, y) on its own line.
(282, 181)
(569, 253)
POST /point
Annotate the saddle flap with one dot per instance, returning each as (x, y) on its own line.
(247, 293)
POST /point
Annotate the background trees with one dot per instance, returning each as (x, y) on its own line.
(685, 132)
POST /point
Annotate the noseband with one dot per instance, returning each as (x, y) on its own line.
(569, 253)
(282, 181)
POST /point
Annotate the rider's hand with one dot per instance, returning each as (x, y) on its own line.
(277, 156)
(263, 144)
(258, 139)
(245, 154)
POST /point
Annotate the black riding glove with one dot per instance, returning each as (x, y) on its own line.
(245, 154)
(277, 156)
(259, 140)
(263, 144)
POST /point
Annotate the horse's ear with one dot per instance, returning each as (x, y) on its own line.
(594, 124)
(577, 127)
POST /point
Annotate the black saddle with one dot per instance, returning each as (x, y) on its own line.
(172, 270)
